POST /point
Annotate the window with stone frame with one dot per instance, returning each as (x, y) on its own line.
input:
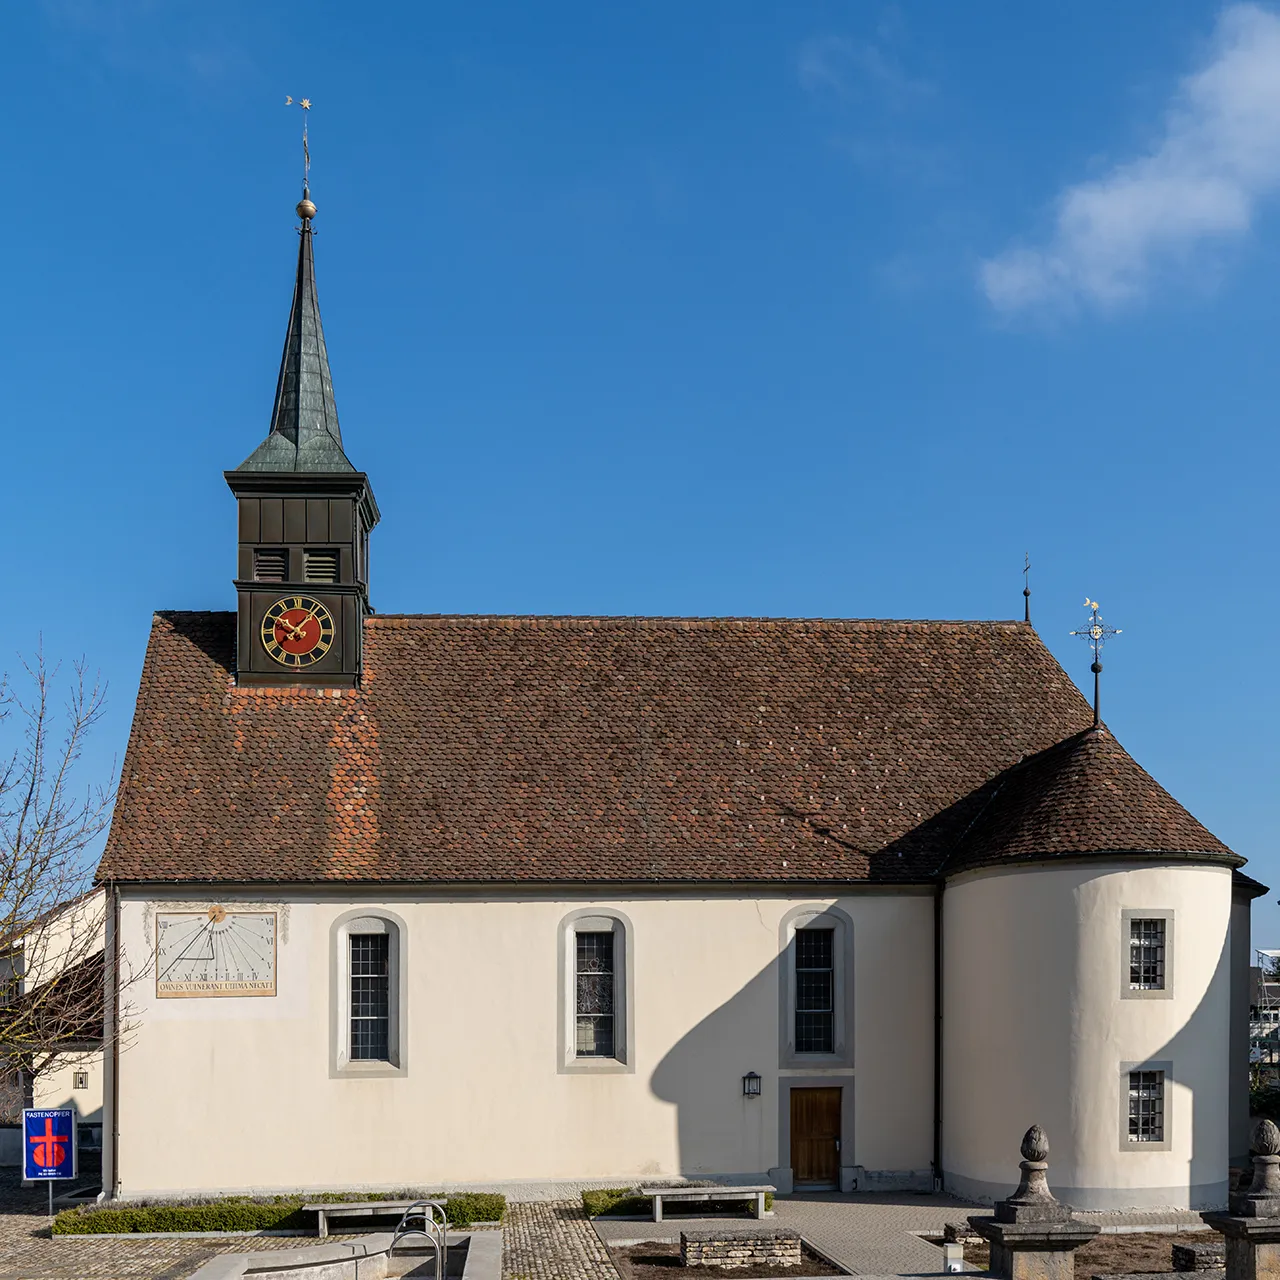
(815, 1010)
(370, 997)
(1147, 942)
(1146, 1106)
(595, 995)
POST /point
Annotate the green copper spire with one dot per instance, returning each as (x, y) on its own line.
(304, 422)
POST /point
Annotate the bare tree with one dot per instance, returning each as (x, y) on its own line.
(51, 919)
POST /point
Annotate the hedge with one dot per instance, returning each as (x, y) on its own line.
(624, 1200)
(244, 1213)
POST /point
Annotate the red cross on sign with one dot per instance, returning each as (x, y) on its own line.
(50, 1148)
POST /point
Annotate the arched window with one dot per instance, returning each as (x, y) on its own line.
(596, 1014)
(367, 998)
(815, 988)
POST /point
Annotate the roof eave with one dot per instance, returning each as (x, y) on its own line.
(1218, 858)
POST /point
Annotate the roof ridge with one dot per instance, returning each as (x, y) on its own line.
(632, 620)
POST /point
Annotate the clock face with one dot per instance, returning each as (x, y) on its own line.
(297, 631)
(215, 953)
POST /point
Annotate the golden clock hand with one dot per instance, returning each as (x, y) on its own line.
(295, 630)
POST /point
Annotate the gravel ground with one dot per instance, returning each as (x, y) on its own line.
(1118, 1254)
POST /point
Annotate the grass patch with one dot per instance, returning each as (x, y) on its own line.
(255, 1213)
(625, 1201)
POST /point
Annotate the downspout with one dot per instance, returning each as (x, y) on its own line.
(939, 889)
(114, 1190)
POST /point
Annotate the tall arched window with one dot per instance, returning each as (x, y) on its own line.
(367, 1003)
(596, 1015)
(815, 988)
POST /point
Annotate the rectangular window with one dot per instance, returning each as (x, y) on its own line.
(320, 566)
(815, 990)
(594, 995)
(370, 997)
(270, 564)
(1146, 954)
(1146, 1106)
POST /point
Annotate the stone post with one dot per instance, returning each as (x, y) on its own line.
(1032, 1236)
(1252, 1221)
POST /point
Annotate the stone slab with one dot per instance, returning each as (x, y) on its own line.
(1210, 1256)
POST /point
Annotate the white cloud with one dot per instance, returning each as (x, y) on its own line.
(1218, 155)
(850, 68)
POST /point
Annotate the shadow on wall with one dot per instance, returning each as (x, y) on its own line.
(719, 1131)
(1207, 1169)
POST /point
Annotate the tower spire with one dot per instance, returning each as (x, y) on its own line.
(304, 434)
(304, 512)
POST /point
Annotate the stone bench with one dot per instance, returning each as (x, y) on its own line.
(751, 1195)
(359, 1209)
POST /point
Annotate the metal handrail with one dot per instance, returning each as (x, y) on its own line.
(435, 1229)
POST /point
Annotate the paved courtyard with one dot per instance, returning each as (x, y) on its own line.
(866, 1234)
(546, 1236)
(28, 1253)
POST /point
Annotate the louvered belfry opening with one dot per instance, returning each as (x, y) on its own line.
(270, 564)
(321, 566)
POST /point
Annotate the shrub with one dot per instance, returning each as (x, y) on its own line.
(623, 1200)
(226, 1215)
(469, 1207)
(612, 1200)
(1264, 1103)
(243, 1213)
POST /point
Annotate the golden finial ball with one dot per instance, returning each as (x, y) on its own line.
(306, 209)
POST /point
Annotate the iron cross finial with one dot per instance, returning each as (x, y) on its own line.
(1097, 633)
(1026, 588)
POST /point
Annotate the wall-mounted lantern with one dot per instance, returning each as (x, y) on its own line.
(751, 1085)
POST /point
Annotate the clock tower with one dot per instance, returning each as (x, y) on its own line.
(305, 514)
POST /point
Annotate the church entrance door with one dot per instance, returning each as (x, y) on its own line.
(815, 1137)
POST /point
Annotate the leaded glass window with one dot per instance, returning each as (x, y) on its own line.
(1146, 955)
(1146, 1106)
(594, 995)
(370, 997)
(815, 991)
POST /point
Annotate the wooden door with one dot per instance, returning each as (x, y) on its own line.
(815, 1136)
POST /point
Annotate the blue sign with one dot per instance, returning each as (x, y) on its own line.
(48, 1144)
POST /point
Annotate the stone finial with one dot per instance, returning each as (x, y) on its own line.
(1033, 1201)
(1035, 1144)
(1262, 1200)
(1266, 1138)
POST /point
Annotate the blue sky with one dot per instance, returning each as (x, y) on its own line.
(791, 309)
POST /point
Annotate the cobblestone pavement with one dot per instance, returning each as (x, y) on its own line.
(552, 1240)
(28, 1253)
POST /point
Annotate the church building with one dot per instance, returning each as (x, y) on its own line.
(413, 900)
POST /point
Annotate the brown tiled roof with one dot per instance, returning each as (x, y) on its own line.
(1085, 793)
(584, 749)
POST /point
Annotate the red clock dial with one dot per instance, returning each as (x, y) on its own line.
(297, 631)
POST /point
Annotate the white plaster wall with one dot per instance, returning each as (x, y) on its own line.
(1035, 1031)
(56, 1086)
(64, 938)
(1241, 959)
(227, 1093)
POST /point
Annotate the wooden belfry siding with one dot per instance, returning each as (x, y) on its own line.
(295, 523)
